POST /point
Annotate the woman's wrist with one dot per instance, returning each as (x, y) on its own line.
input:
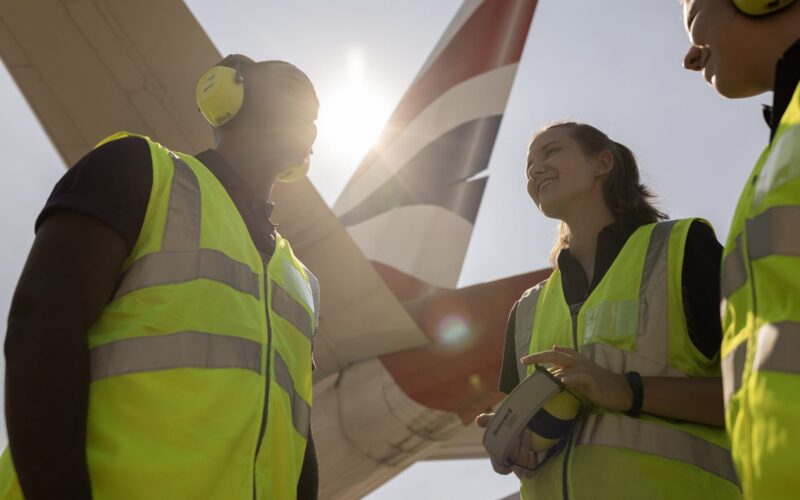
(637, 389)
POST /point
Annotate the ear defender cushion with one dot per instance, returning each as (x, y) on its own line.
(219, 96)
(761, 7)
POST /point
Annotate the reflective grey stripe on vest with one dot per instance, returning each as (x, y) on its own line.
(167, 268)
(774, 232)
(734, 274)
(176, 350)
(620, 431)
(182, 226)
(301, 411)
(523, 326)
(312, 280)
(778, 348)
(732, 371)
(622, 361)
(291, 310)
(180, 259)
(653, 331)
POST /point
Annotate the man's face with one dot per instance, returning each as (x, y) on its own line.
(279, 114)
(722, 48)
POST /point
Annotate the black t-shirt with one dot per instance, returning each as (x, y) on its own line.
(113, 182)
(700, 282)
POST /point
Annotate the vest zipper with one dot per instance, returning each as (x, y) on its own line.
(574, 310)
(265, 407)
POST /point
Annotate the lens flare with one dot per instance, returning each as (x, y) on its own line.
(453, 330)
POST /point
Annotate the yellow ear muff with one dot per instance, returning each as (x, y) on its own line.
(294, 174)
(761, 7)
(219, 95)
(553, 421)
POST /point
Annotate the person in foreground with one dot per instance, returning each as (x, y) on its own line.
(745, 48)
(160, 337)
(629, 321)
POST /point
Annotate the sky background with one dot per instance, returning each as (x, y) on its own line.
(615, 64)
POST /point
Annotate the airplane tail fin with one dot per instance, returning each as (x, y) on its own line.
(412, 203)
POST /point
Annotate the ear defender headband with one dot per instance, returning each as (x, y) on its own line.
(761, 7)
(220, 95)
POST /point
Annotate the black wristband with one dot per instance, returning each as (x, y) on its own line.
(637, 387)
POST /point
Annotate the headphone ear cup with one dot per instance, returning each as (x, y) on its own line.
(761, 7)
(294, 174)
(219, 96)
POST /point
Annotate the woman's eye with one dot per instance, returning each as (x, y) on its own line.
(550, 152)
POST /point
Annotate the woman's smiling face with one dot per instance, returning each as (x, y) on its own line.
(559, 172)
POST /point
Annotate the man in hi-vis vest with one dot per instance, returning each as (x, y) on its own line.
(160, 338)
(745, 48)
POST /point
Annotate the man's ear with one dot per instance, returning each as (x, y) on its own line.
(604, 164)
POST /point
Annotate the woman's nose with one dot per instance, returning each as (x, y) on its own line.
(693, 59)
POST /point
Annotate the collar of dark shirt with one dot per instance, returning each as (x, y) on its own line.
(610, 241)
(787, 76)
(238, 189)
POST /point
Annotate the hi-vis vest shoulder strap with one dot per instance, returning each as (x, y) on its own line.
(632, 321)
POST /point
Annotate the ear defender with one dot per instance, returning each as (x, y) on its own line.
(294, 174)
(761, 7)
(220, 92)
(220, 95)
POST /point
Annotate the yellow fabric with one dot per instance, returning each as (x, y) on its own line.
(192, 432)
(610, 317)
(763, 414)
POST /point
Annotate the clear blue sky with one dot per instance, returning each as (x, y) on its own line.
(614, 64)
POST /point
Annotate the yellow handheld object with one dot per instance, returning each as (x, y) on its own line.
(761, 7)
(540, 403)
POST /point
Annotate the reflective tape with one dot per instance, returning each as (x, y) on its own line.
(523, 326)
(182, 226)
(176, 350)
(653, 325)
(312, 280)
(621, 361)
(301, 411)
(291, 310)
(734, 273)
(774, 232)
(170, 268)
(778, 348)
(620, 431)
(780, 166)
(733, 370)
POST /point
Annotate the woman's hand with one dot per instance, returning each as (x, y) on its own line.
(523, 460)
(602, 387)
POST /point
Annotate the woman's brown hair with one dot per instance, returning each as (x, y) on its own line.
(628, 199)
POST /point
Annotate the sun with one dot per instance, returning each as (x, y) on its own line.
(352, 113)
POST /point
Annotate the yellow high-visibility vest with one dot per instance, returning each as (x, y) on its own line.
(761, 319)
(201, 363)
(633, 321)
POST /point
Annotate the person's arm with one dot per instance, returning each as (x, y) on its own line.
(69, 277)
(509, 376)
(689, 399)
(308, 485)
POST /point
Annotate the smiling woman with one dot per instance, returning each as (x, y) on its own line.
(352, 113)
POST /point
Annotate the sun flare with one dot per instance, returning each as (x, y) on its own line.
(352, 113)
